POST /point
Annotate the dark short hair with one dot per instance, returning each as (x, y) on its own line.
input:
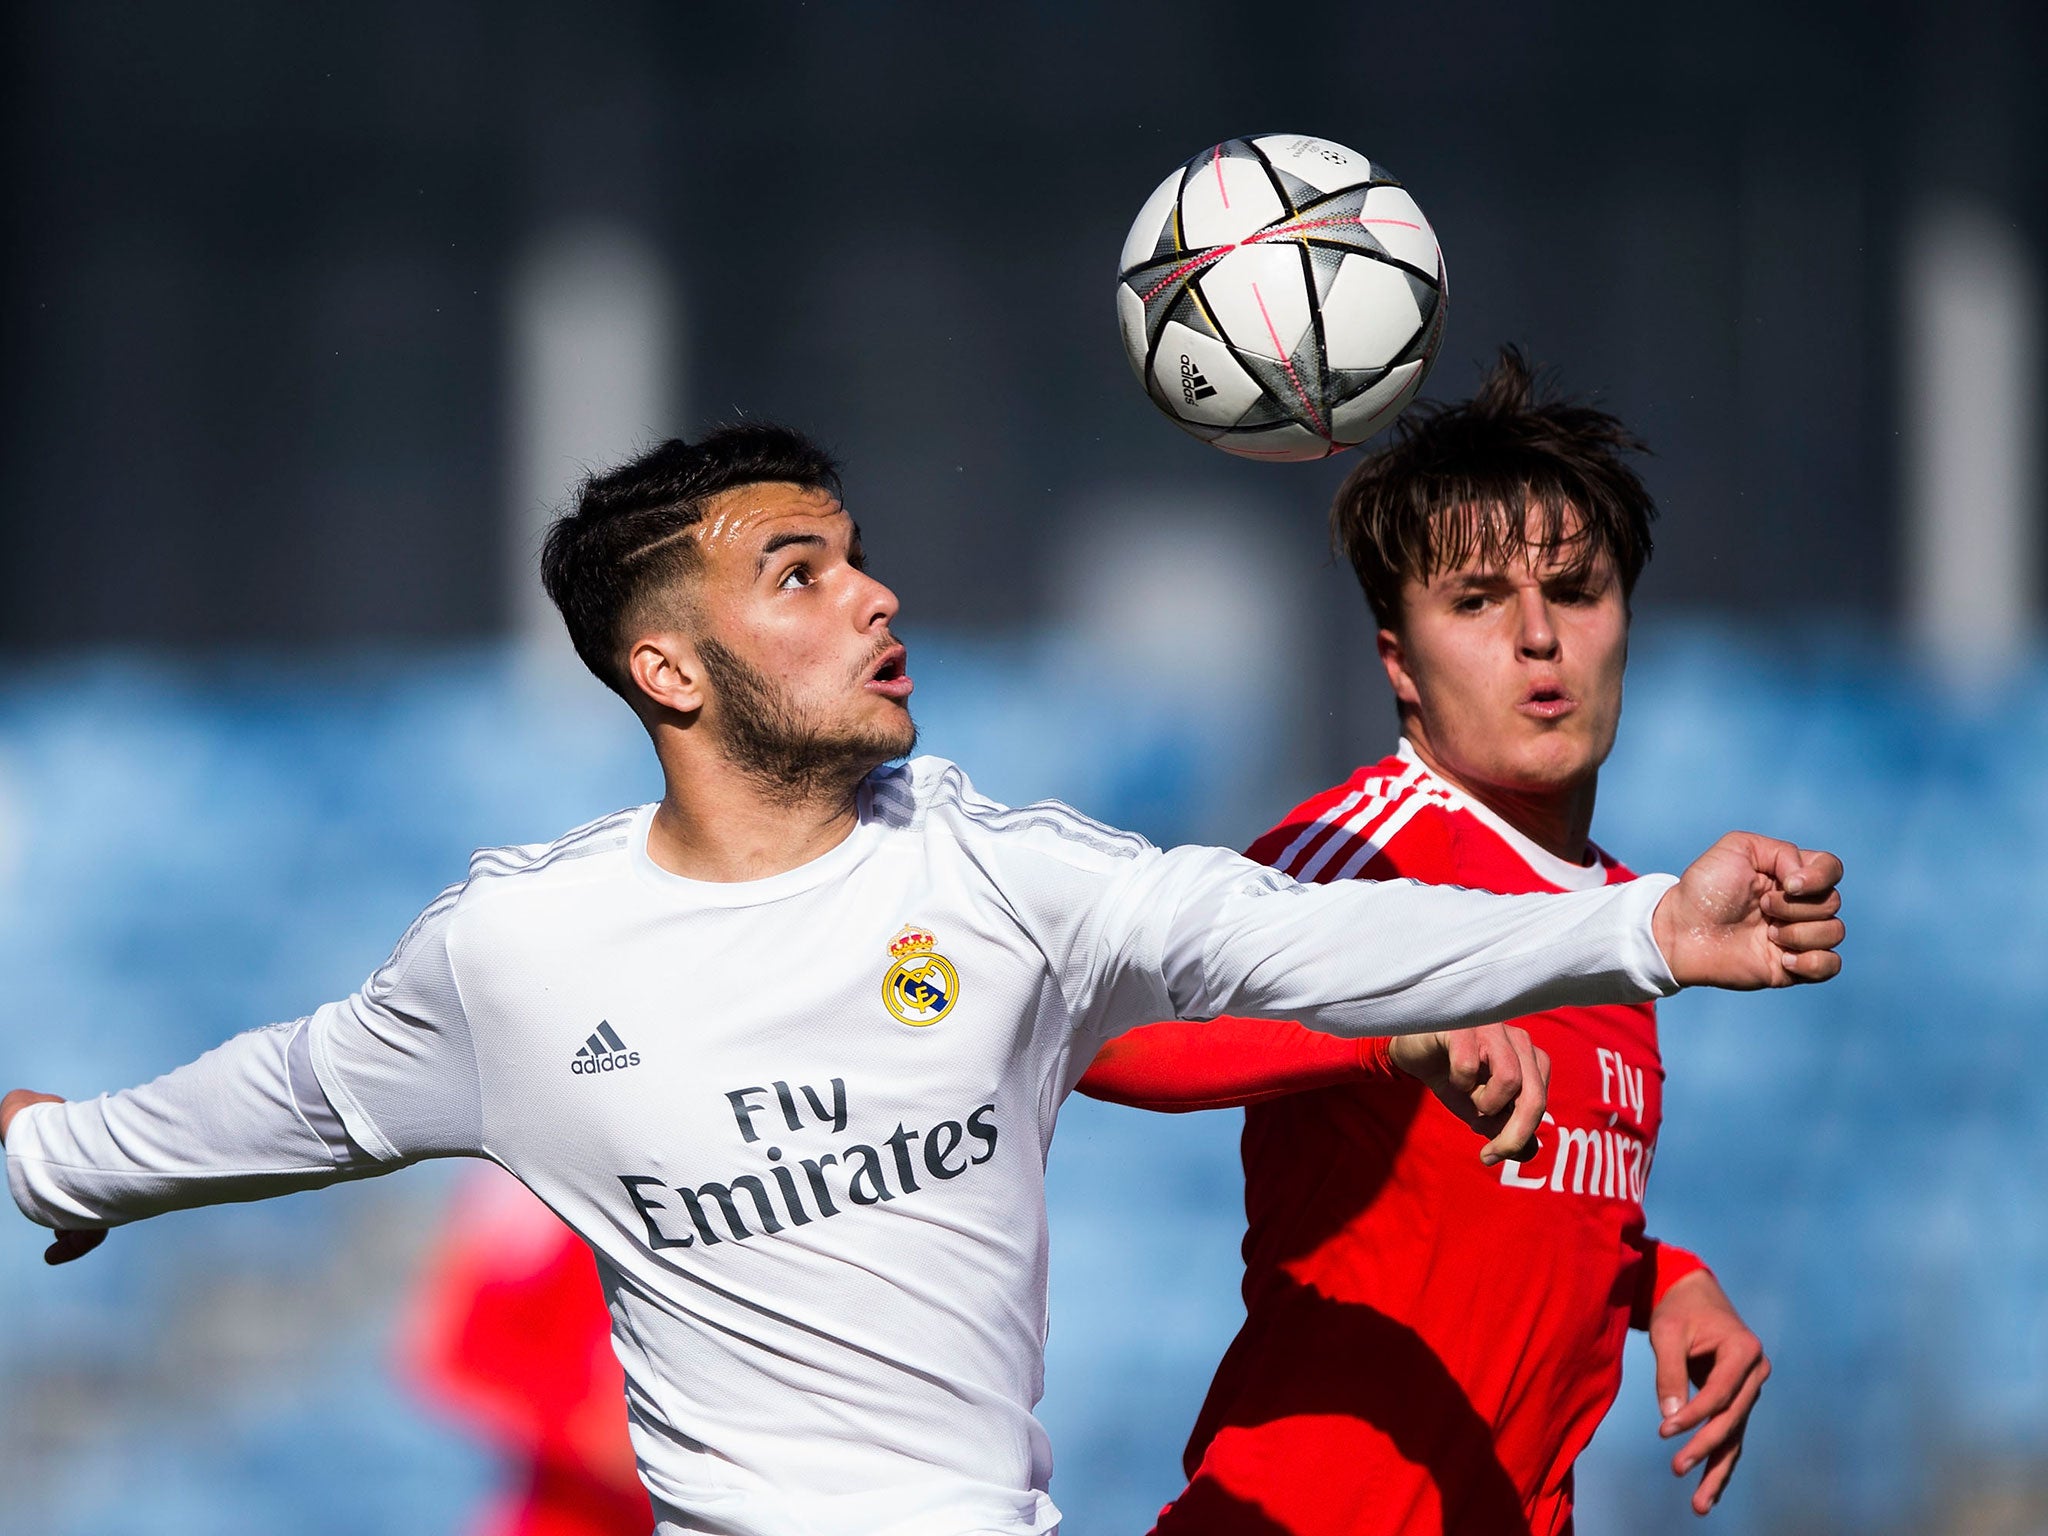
(622, 539)
(1459, 480)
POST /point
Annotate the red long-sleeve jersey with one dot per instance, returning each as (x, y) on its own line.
(1428, 1343)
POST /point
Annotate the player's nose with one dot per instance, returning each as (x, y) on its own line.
(1538, 637)
(877, 604)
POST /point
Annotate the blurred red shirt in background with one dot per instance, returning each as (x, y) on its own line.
(511, 1334)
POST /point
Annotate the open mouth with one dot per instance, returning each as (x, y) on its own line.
(890, 675)
(1547, 701)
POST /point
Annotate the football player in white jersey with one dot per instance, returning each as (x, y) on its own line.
(786, 1047)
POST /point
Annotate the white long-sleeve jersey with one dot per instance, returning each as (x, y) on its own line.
(803, 1121)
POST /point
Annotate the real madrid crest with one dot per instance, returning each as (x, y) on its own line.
(921, 986)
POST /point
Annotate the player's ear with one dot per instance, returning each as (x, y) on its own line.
(1394, 657)
(667, 670)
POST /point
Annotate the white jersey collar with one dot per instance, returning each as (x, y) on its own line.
(829, 865)
(1547, 865)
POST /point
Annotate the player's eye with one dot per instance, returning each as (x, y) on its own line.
(1471, 602)
(1584, 593)
(795, 576)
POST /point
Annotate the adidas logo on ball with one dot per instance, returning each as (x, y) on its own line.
(1193, 386)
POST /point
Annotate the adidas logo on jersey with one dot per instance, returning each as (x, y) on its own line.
(604, 1051)
(1193, 386)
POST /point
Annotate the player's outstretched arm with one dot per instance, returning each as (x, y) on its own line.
(1359, 957)
(362, 1086)
(1753, 912)
(1491, 1077)
(245, 1121)
(1219, 935)
(1179, 1065)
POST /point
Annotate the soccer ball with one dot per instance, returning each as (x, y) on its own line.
(1281, 297)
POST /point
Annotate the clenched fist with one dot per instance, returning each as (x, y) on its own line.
(1752, 912)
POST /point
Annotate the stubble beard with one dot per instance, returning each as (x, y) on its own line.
(767, 736)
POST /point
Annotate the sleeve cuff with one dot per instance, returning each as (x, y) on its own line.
(35, 1196)
(1646, 962)
(1376, 1056)
(21, 1145)
(1664, 1265)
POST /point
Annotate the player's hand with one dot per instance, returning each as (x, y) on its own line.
(1700, 1341)
(1493, 1078)
(1752, 912)
(67, 1245)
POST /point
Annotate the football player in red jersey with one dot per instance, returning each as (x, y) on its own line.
(1387, 1378)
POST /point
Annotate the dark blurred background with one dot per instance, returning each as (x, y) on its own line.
(311, 313)
(267, 266)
